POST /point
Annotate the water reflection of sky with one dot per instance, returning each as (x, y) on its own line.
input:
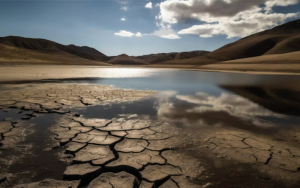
(183, 81)
(199, 98)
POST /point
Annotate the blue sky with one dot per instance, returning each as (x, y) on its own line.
(166, 26)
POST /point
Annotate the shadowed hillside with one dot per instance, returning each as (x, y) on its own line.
(161, 57)
(124, 59)
(281, 39)
(13, 55)
(45, 47)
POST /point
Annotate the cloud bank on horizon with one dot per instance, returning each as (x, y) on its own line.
(232, 18)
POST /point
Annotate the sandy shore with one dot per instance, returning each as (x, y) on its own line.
(19, 73)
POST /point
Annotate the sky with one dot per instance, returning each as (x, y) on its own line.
(139, 27)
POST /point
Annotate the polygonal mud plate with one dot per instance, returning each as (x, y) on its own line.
(77, 171)
(115, 180)
(48, 183)
(94, 152)
(137, 160)
(93, 122)
(154, 173)
(131, 145)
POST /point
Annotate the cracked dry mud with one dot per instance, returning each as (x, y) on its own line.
(119, 152)
(125, 159)
(131, 150)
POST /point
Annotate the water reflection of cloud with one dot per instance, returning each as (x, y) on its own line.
(233, 104)
(225, 109)
(163, 104)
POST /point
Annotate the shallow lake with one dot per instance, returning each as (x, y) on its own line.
(210, 97)
(244, 128)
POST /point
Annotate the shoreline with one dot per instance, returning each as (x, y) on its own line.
(36, 73)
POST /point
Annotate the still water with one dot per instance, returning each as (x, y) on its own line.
(264, 110)
(213, 98)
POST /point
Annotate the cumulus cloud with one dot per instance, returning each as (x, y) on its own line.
(234, 18)
(170, 36)
(166, 33)
(138, 34)
(273, 3)
(123, 19)
(124, 8)
(124, 33)
(242, 27)
(149, 5)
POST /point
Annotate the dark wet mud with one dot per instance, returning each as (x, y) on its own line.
(33, 156)
(83, 135)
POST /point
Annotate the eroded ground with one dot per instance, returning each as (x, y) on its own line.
(130, 150)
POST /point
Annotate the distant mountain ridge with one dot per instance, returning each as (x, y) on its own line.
(47, 46)
(40, 50)
(124, 59)
(281, 39)
(161, 57)
(261, 47)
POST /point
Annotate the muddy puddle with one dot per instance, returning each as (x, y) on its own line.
(152, 129)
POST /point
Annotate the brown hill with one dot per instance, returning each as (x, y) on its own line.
(288, 62)
(161, 57)
(157, 58)
(50, 47)
(281, 39)
(187, 55)
(124, 59)
(14, 55)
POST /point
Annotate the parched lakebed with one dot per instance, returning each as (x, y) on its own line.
(89, 135)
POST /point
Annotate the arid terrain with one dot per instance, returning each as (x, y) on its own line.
(51, 136)
(150, 94)
(68, 118)
(274, 50)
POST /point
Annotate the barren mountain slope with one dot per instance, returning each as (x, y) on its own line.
(124, 59)
(281, 39)
(50, 47)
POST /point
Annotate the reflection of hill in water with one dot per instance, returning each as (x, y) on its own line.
(284, 101)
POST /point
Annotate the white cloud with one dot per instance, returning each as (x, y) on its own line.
(124, 8)
(234, 18)
(241, 28)
(166, 33)
(157, 4)
(149, 5)
(138, 34)
(170, 36)
(273, 3)
(123, 19)
(123, 33)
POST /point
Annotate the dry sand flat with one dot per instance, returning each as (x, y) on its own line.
(38, 72)
(253, 68)
(289, 62)
(23, 73)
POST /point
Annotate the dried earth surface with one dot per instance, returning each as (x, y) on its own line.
(132, 150)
